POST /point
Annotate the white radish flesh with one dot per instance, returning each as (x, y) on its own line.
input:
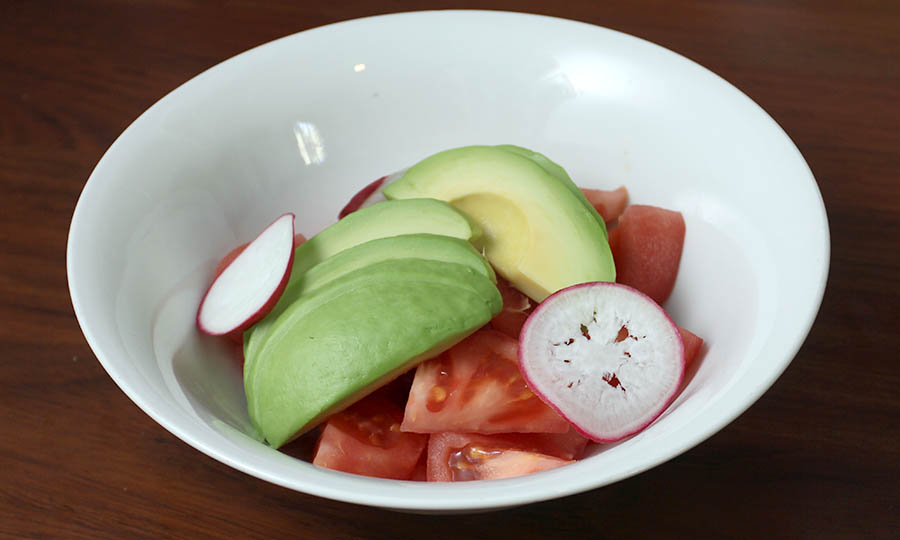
(603, 355)
(251, 284)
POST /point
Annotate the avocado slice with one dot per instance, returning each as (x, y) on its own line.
(381, 220)
(434, 247)
(539, 231)
(555, 170)
(387, 218)
(302, 305)
(422, 246)
(357, 332)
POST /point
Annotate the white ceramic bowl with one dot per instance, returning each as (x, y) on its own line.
(301, 123)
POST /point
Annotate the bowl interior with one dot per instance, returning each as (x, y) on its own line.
(301, 123)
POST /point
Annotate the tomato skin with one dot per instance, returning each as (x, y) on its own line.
(366, 439)
(476, 387)
(609, 203)
(455, 457)
(646, 247)
(692, 344)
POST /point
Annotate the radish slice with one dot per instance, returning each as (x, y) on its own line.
(299, 238)
(370, 194)
(605, 356)
(251, 283)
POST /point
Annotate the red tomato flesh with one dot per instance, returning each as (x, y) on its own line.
(516, 309)
(420, 473)
(456, 457)
(476, 387)
(608, 203)
(646, 247)
(692, 344)
(366, 439)
(568, 445)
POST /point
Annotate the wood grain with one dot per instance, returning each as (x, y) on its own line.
(817, 457)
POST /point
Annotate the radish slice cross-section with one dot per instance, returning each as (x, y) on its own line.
(251, 284)
(603, 355)
(370, 194)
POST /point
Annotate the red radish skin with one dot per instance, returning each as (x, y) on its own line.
(227, 259)
(370, 194)
(646, 246)
(238, 337)
(592, 312)
(356, 202)
(609, 203)
(213, 314)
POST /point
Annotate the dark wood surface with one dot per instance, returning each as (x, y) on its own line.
(817, 457)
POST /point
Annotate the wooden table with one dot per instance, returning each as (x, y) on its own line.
(817, 457)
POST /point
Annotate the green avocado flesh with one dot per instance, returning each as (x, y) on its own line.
(421, 246)
(378, 221)
(356, 332)
(556, 171)
(381, 220)
(539, 231)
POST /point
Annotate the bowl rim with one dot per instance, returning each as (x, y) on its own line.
(473, 495)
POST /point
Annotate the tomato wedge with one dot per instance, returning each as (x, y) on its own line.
(647, 248)
(516, 309)
(456, 457)
(609, 203)
(568, 445)
(420, 473)
(692, 344)
(476, 387)
(366, 439)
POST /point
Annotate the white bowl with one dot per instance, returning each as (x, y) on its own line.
(301, 123)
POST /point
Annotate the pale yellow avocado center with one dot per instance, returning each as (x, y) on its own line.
(537, 232)
(505, 227)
